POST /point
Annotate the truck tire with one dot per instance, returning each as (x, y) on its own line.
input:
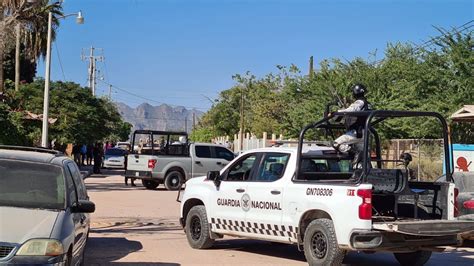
(320, 244)
(417, 258)
(174, 180)
(198, 229)
(150, 184)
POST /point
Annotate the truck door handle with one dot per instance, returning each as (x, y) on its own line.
(240, 190)
(219, 163)
(275, 192)
(197, 162)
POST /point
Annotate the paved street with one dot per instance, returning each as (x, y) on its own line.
(135, 226)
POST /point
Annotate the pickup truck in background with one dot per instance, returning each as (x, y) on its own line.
(165, 157)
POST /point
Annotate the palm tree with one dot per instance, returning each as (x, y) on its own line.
(31, 23)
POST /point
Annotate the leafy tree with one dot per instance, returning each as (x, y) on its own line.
(81, 117)
(437, 78)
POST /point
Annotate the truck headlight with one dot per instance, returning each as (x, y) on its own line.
(41, 247)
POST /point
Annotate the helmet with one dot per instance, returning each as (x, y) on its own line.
(358, 90)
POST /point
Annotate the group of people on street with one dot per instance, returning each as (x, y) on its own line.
(83, 154)
(86, 154)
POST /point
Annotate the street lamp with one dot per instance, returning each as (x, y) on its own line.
(44, 134)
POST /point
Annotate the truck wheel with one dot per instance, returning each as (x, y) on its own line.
(198, 229)
(150, 184)
(320, 244)
(174, 180)
(417, 258)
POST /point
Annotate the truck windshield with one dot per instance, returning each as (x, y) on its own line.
(31, 185)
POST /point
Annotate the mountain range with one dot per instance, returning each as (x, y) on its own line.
(162, 117)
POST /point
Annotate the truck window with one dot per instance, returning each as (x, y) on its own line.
(325, 169)
(242, 169)
(203, 151)
(273, 167)
(223, 153)
(160, 143)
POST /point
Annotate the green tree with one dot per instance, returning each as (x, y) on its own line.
(81, 117)
(437, 78)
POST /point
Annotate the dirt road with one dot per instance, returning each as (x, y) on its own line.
(135, 226)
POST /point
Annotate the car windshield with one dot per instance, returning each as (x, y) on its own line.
(31, 185)
(115, 152)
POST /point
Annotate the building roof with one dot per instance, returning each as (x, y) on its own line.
(465, 114)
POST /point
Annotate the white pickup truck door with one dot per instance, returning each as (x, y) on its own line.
(265, 194)
(227, 214)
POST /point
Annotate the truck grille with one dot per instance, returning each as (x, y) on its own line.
(5, 251)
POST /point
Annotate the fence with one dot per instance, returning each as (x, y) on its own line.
(427, 154)
(249, 142)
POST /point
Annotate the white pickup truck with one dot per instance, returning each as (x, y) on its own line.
(312, 197)
(164, 157)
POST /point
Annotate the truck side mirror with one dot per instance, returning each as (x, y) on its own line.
(215, 176)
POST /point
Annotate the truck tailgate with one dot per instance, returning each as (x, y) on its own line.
(138, 162)
(426, 227)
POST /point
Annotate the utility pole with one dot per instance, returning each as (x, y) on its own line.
(241, 118)
(194, 120)
(17, 57)
(110, 92)
(311, 67)
(92, 76)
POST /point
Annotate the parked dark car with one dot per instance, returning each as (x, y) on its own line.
(44, 208)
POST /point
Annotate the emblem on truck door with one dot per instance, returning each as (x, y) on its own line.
(245, 202)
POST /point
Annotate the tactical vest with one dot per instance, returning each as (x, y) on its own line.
(358, 123)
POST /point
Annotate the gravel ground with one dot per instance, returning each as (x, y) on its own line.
(135, 226)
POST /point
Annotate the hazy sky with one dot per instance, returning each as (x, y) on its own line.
(177, 51)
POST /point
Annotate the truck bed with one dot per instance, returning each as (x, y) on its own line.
(425, 227)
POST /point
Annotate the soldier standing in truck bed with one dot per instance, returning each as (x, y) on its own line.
(351, 141)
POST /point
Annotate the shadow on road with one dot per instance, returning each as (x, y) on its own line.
(107, 250)
(103, 187)
(115, 186)
(261, 247)
(135, 226)
(285, 251)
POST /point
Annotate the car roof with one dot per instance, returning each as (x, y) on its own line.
(308, 150)
(31, 154)
(209, 144)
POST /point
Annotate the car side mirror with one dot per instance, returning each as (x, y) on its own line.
(214, 176)
(83, 206)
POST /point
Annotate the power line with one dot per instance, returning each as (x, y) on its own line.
(106, 71)
(59, 59)
(431, 41)
(151, 100)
